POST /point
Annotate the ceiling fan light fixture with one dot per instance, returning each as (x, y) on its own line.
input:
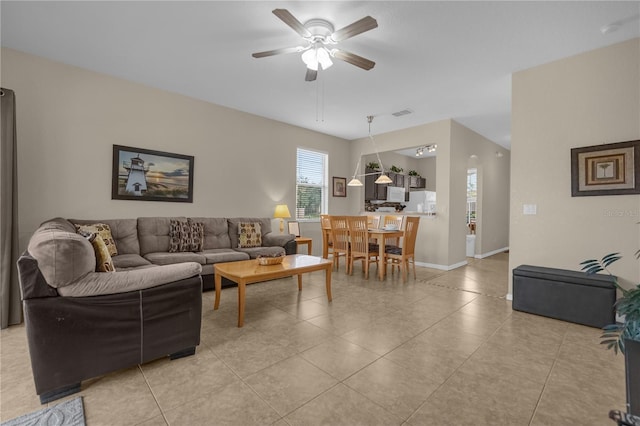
(323, 58)
(310, 59)
(318, 34)
(315, 56)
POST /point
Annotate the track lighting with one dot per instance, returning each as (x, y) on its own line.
(429, 148)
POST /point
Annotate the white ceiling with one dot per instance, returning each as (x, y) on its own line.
(438, 59)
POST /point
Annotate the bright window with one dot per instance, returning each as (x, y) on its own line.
(311, 184)
(472, 194)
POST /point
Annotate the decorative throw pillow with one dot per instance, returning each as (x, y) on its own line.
(197, 235)
(104, 263)
(105, 232)
(249, 235)
(179, 236)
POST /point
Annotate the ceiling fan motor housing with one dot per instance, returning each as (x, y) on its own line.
(320, 29)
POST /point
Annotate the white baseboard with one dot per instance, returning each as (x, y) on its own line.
(509, 296)
(491, 253)
(442, 267)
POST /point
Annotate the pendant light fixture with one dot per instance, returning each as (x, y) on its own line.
(383, 178)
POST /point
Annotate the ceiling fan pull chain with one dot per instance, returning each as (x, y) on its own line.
(322, 106)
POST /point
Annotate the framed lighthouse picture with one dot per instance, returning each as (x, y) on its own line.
(147, 175)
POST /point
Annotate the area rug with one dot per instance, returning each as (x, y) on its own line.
(68, 413)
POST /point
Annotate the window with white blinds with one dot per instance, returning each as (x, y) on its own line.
(311, 184)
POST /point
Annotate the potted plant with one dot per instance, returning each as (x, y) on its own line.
(625, 336)
(373, 165)
(413, 173)
(395, 169)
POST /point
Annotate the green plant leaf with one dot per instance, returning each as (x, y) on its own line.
(610, 258)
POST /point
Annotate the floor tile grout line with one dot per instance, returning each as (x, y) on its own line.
(546, 381)
(463, 363)
(153, 395)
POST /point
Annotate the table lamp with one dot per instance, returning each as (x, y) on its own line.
(282, 213)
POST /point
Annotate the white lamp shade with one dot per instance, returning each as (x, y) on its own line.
(354, 182)
(310, 59)
(323, 58)
(383, 179)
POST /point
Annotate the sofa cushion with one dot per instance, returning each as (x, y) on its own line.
(104, 263)
(104, 231)
(224, 255)
(153, 233)
(123, 231)
(63, 256)
(216, 232)
(197, 235)
(273, 239)
(179, 236)
(265, 227)
(249, 235)
(254, 252)
(166, 258)
(129, 261)
(95, 284)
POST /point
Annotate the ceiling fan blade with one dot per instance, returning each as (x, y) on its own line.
(291, 21)
(278, 51)
(311, 75)
(365, 24)
(353, 59)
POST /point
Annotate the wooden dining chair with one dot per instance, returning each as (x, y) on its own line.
(401, 256)
(373, 222)
(361, 248)
(327, 242)
(393, 220)
(340, 238)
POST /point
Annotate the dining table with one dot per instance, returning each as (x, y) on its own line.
(381, 235)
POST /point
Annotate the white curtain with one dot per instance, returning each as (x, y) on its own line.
(10, 305)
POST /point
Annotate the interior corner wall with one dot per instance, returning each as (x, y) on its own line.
(492, 223)
(432, 245)
(589, 99)
(69, 118)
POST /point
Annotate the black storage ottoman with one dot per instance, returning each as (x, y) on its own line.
(565, 295)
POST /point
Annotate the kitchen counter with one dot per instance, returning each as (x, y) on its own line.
(402, 213)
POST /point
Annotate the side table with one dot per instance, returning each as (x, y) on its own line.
(307, 241)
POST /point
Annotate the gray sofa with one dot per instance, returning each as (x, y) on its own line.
(81, 323)
(144, 242)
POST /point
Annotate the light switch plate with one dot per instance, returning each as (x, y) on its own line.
(530, 209)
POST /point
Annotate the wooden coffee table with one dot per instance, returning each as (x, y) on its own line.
(249, 271)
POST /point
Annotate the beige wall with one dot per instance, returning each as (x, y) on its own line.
(588, 99)
(68, 119)
(427, 169)
(492, 230)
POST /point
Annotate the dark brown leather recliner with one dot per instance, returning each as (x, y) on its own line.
(72, 339)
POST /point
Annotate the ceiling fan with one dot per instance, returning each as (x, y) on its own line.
(320, 38)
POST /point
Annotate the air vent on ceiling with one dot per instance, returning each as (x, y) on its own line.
(401, 113)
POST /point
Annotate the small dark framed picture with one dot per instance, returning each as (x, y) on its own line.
(608, 169)
(339, 187)
(146, 175)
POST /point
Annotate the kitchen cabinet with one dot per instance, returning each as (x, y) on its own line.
(398, 179)
(372, 190)
(417, 182)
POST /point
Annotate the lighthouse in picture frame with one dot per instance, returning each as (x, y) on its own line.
(137, 177)
(146, 175)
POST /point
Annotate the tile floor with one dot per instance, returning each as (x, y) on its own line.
(443, 349)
